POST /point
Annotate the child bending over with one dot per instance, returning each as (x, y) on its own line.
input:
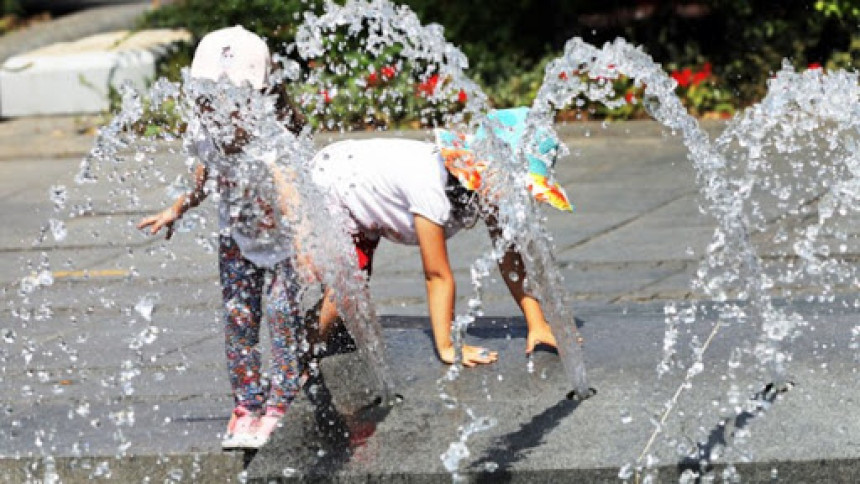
(409, 193)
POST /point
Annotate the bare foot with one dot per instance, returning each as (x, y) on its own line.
(472, 356)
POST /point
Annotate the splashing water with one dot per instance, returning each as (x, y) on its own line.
(809, 111)
(396, 34)
(809, 120)
(131, 165)
(393, 34)
(387, 26)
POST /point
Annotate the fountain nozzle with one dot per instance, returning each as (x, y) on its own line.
(579, 396)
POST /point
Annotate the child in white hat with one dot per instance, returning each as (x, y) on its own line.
(254, 255)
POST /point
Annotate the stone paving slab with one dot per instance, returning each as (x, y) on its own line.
(25, 140)
(540, 436)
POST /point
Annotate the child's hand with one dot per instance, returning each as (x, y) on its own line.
(164, 218)
(472, 355)
(540, 334)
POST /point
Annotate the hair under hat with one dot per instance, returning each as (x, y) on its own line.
(235, 53)
(461, 160)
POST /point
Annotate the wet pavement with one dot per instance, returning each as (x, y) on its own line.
(118, 371)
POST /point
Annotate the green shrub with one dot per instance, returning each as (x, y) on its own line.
(274, 20)
(847, 10)
(518, 87)
(508, 43)
(347, 88)
(11, 7)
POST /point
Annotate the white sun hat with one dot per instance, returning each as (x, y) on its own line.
(233, 52)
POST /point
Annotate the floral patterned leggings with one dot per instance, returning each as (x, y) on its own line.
(242, 286)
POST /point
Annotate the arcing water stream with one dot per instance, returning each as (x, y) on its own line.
(810, 120)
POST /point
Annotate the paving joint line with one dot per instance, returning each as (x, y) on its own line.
(645, 287)
(628, 221)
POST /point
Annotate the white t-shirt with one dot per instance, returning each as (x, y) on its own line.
(384, 183)
(243, 214)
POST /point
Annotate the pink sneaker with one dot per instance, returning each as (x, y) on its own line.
(267, 424)
(240, 430)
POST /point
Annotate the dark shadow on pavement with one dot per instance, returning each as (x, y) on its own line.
(513, 447)
(722, 434)
(330, 438)
(248, 456)
(337, 435)
(516, 324)
(486, 328)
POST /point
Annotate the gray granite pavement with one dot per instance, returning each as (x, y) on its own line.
(95, 384)
(538, 435)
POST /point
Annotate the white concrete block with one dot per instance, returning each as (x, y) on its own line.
(75, 77)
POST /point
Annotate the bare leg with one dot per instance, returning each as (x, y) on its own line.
(328, 315)
(319, 324)
(513, 272)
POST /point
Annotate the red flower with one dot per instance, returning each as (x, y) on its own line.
(702, 75)
(388, 72)
(326, 96)
(429, 86)
(462, 97)
(684, 77)
(630, 97)
(563, 76)
(372, 79)
(814, 65)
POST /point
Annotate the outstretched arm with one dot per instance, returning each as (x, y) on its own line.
(440, 294)
(183, 203)
(513, 272)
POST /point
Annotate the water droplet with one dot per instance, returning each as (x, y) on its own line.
(145, 307)
(102, 471)
(83, 409)
(626, 471)
(58, 196)
(9, 335)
